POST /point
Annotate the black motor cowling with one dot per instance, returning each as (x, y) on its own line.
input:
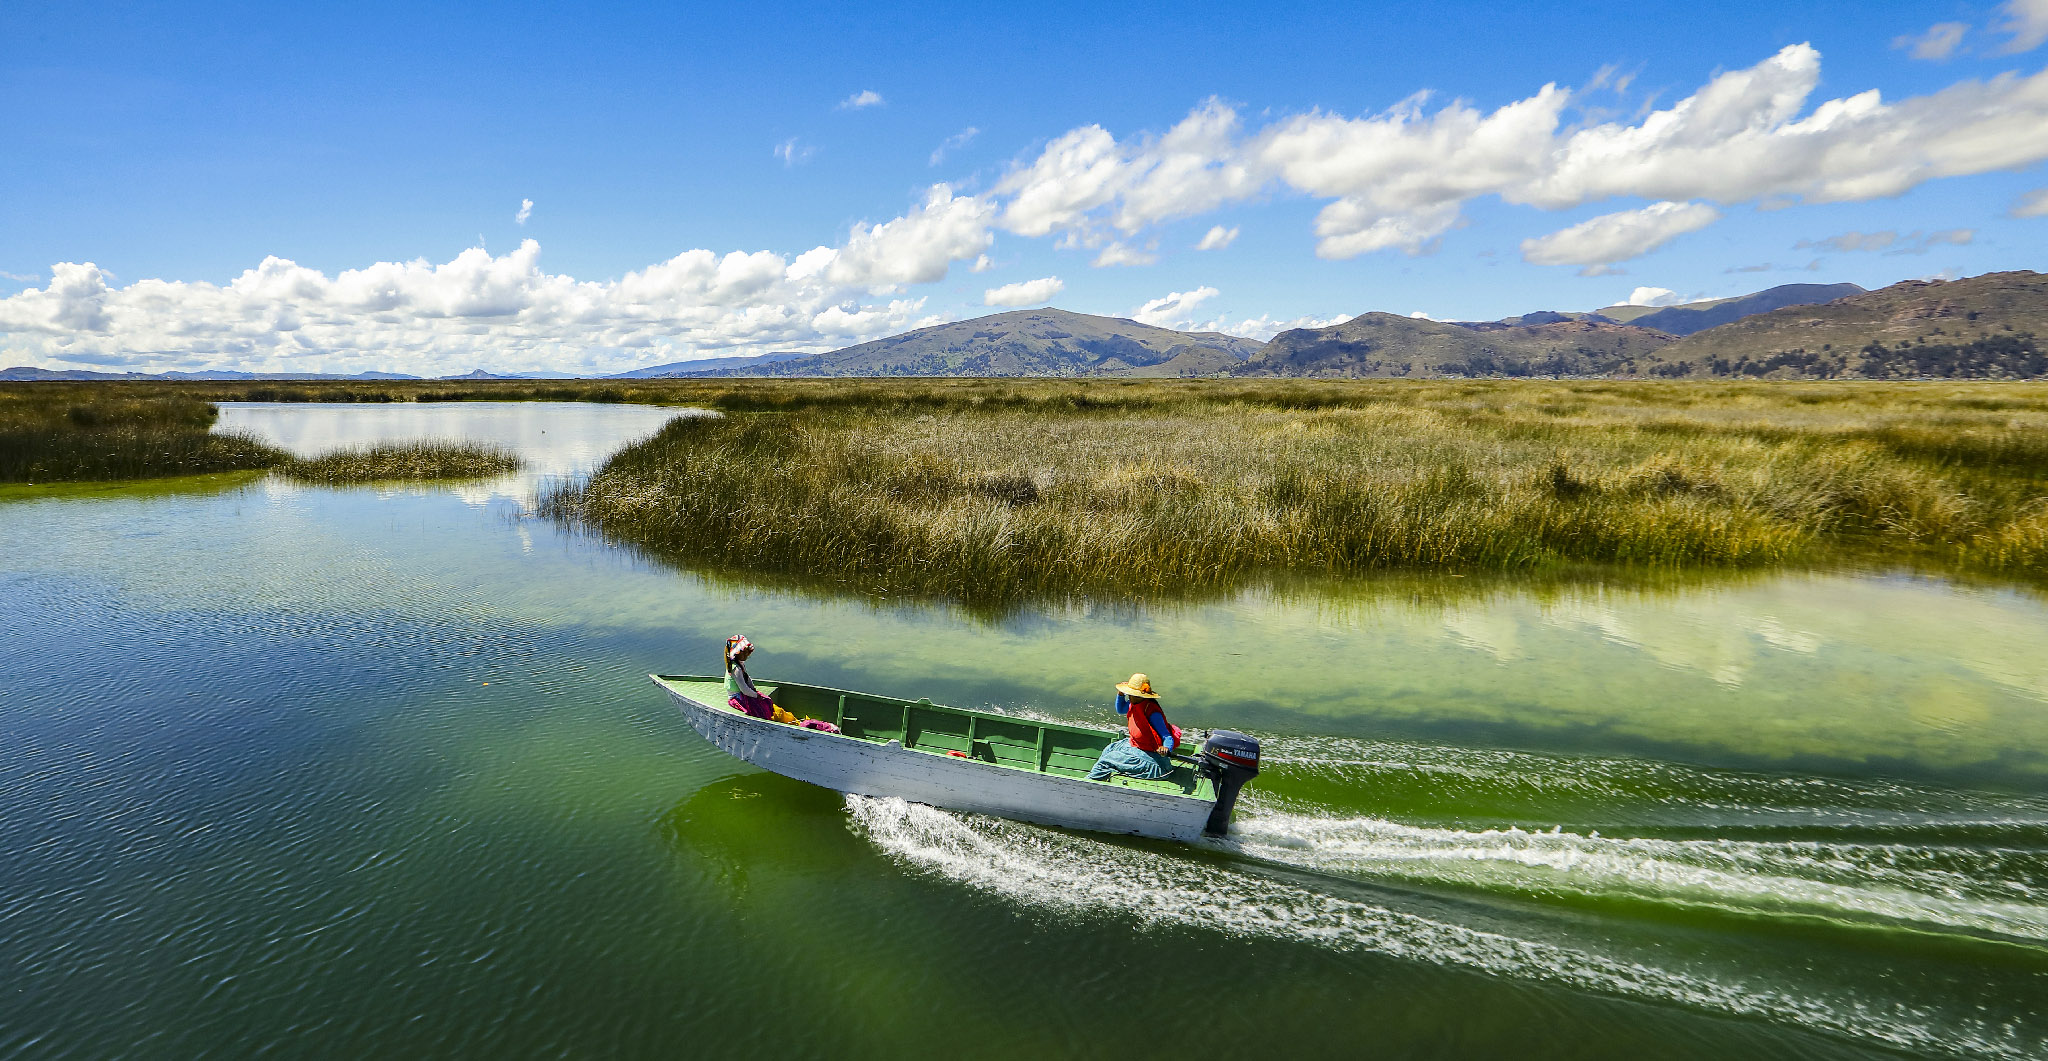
(1228, 760)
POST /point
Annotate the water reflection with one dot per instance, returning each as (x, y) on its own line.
(386, 759)
(1823, 670)
(211, 483)
(555, 439)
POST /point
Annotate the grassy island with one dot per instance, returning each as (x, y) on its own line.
(984, 489)
(94, 433)
(403, 460)
(58, 436)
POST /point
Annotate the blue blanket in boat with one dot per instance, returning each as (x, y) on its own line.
(1121, 758)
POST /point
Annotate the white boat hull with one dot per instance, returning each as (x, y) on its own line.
(848, 764)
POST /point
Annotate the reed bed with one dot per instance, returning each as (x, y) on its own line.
(984, 490)
(419, 460)
(66, 432)
(59, 436)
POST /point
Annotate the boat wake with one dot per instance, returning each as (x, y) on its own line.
(1529, 903)
(1889, 885)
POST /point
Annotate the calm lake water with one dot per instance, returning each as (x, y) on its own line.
(377, 771)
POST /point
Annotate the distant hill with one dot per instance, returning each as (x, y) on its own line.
(1688, 318)
(1031, 342)
(1628, 313)
(1384, 344)
(1541, 316)
(1698, 317)
(1982, 327)
(478, 373)
(705, 366)
(1625, 314)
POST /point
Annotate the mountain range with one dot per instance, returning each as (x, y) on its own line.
(1027, 342)
(1385, 344)
(1054, 342)
(1983, 327)
(1980, 327)
(1699, 316)
(705, 365)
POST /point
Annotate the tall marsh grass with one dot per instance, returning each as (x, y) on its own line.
(418, 460)
(64, 432)
(57, 435)
(986, 492)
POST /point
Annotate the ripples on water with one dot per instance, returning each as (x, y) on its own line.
(1971, 869)
(256, 795)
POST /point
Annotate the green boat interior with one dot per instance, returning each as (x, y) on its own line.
(920, 725)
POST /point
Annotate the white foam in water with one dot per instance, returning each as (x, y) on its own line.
(1062, 871)
(1882, 883)
(1908, 875)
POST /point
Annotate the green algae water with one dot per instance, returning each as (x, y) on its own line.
(377, 770)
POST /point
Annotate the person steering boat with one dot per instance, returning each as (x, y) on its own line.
(1151, 738)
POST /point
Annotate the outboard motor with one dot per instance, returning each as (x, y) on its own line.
(1228, 759)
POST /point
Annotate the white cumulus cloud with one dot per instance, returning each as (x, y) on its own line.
(1174, 309)
(1399, 179)
(1395, 179)
(1217, 238)
(866, 97)
(525, 211)
(1024, 292)
(1619, 236)
(916, 248)
(1653, 296)
(1264, 327)
(501, 311)
(1120, 253)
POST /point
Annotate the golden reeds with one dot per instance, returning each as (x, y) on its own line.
(419, 460)
(53, 435)
(55, 432)
(987, 489)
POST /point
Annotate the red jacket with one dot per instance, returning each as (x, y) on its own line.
(1144, 736)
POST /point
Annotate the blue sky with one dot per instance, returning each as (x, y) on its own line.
(261, 186)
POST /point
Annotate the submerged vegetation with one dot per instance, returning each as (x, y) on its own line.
(986, 489)
(69, 433)
(403, 460)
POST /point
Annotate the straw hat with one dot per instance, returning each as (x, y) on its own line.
(1139, 685)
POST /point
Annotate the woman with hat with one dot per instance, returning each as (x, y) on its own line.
(1151, 737)
(741, 696)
